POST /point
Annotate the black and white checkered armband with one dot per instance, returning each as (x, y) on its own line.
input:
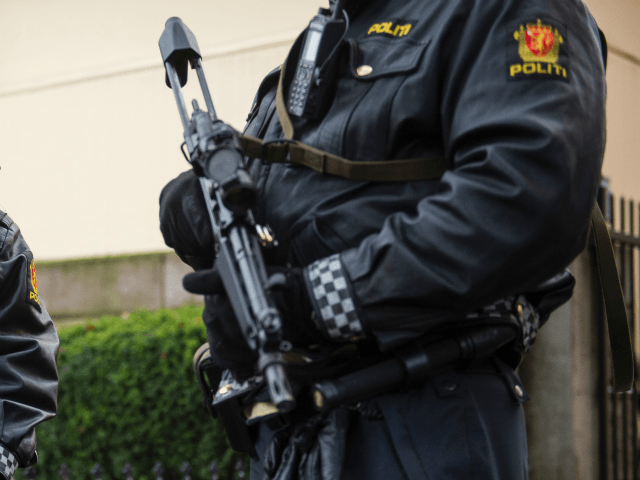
(8, 463)
(332, 299)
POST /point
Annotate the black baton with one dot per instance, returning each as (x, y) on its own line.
(410, 367)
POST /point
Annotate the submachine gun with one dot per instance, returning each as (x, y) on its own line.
(216, 155)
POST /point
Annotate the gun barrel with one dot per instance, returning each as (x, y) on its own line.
(205, 88)
(277, 381)
(177, 93)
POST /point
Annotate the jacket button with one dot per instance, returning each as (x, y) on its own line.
(450, 386)
(364, 70)
(519, 391)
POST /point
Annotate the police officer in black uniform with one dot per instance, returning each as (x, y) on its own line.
(28, 352)
(510, 95)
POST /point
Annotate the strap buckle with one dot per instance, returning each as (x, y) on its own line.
(264, 154)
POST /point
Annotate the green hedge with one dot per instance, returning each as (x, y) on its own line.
(128, 393)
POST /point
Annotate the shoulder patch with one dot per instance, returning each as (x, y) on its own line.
(538, 50)
(32, 285)
(392, 28)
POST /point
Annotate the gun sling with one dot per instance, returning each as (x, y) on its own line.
(434, 168)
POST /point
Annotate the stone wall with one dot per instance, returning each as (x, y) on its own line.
(111, 285)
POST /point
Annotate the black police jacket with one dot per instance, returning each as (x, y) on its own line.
(28, 349)
(510, 93)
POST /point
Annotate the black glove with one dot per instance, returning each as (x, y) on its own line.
(551, 294)
(184, 221)
(228, 346)
(313, 450)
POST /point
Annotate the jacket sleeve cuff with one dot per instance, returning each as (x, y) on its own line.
(520, 313)
(332, 299)
(8, 463)
(26, 451)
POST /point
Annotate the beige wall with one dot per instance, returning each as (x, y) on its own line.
(619, 20)
(89, 133)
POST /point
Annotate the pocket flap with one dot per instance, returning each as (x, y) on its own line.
(384, 59)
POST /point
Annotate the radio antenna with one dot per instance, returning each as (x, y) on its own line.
(338, 9)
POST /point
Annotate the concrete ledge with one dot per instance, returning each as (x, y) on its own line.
(112, 285)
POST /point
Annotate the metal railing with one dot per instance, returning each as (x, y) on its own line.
(618, 412)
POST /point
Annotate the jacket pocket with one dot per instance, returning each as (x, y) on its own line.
(361, 115)
(317, 240)
(374, 58)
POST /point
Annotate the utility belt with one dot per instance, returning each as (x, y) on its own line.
(344, 379)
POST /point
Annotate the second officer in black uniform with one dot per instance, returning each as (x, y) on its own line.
(509, 97)
(28, 351)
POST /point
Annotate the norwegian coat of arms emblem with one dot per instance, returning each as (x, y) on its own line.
(538, 42)
(32, 286)
(539, 48)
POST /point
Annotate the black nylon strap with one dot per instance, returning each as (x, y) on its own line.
(619, 337)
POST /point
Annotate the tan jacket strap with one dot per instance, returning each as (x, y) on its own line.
(281, 109)
(381, 171)
(251, 146)
(619, 337)
(324, 162)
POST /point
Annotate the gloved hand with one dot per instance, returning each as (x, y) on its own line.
(310, 450)
(228, 346)
(184, 221)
